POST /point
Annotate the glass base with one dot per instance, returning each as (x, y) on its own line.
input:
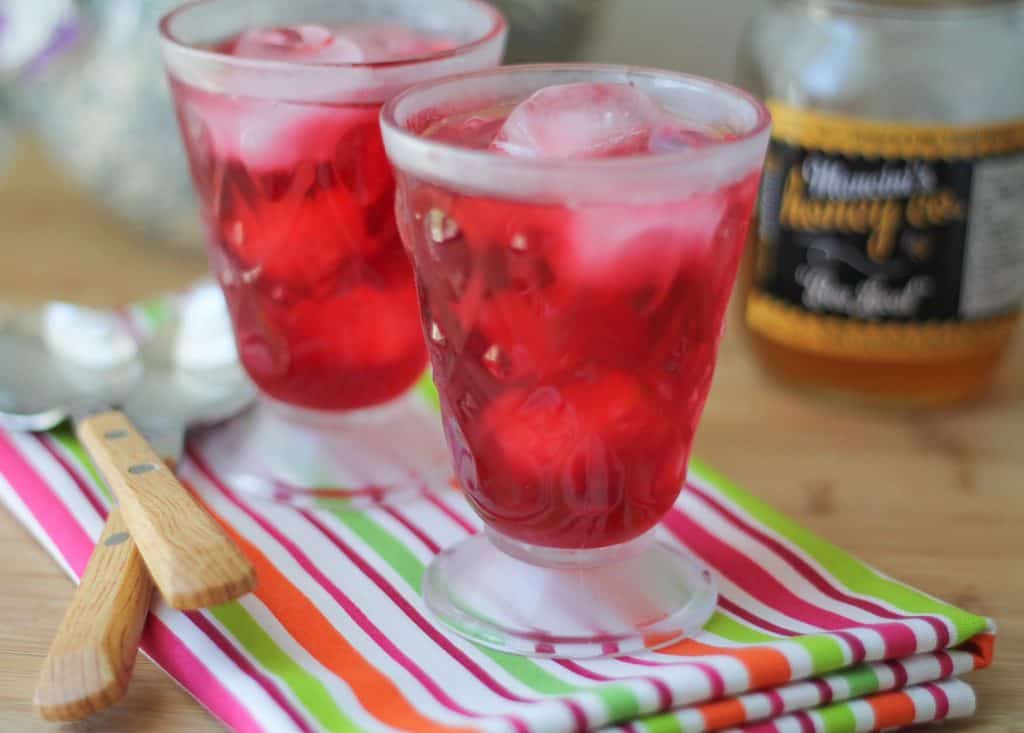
(574, 604)
(288, 454)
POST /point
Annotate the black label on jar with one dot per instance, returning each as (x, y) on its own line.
(888, 240)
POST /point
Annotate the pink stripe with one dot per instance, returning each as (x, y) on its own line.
(76, 547)
(416, 532)
(941, 701)
(747, 574)
(946, 667)
(899, 639)
(52, 515)
(806, 724)
(83, 485)
(899, 675)
(240, 660)
(715, 680)
(663, 690)
(350, 608)
(810, 574)
(753, 619)
(578, 714)
(160, 643)
(858, 652)
(825, 693)
(415, 616)
(767, 727)
(448, 511)
(776, 701)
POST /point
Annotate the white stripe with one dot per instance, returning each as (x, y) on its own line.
(241, 686)
(962, 700)
(863, 714)
(766, 559)
(756, 706)
(787, 724)
(874, 644)
(62, 485)
(389, 616)
(69, 493)
(341, 694)
(691, 720)
(322, 600)
(924, 704)
(678, 677)
(710, 488)
(799, 696)
(922, 668)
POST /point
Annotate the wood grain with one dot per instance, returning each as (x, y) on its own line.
(93, 653)
(192, 561)
(935, 499)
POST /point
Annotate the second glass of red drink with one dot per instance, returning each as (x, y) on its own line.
(575, 233)
(278, 104)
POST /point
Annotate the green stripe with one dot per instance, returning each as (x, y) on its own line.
(849, 571)
(837, 718)
(827, 654)
(68, 442)
(862, 681)
(737, 631)
(304, 685)
(428, 390)
(619, 700)
(664, 723)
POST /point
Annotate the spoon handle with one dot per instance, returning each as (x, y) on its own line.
(192, 561)
(91, 658)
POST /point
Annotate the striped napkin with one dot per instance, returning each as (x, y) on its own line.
(336, 638)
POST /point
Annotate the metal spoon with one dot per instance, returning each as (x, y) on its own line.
(72, 358)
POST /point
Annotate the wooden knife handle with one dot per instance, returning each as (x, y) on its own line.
(91, 658)
(192, 561)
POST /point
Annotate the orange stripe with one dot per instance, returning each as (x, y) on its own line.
(767, 667)
(984, 649)
(723, 714)
(376, 692)
(892, 710)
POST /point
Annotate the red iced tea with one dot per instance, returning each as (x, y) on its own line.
(573, 345)
(298, 198)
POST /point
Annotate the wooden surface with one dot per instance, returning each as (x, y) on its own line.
(90, 662)
(935, 499)
(190, 558)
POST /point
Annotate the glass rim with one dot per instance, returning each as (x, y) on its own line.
(498, 26)
(417, 144)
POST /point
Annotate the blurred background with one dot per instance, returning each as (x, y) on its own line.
(87, 71)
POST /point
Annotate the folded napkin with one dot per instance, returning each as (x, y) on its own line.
(336, 638)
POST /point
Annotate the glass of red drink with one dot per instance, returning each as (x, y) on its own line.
(278, 104)
(575, 233)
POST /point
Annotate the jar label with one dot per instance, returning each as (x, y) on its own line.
(888, 241)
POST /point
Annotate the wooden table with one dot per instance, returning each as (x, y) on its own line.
(936, 499)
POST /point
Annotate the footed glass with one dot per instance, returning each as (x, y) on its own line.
(574, 255)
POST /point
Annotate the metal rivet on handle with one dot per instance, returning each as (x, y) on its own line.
(116, 539)
(141, 468)
(115, 434)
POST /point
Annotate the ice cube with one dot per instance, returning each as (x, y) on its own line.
(672, 137)
(580, 121)
(300, 43)
(388, 42)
